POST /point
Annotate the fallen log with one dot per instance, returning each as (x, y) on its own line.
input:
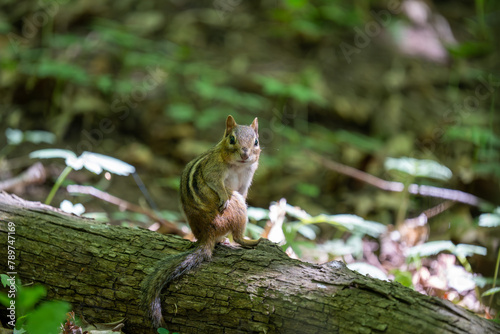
(98, 268)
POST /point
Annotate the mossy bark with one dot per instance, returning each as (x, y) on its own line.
(99, 268)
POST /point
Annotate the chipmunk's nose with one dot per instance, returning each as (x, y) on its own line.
(244, 154)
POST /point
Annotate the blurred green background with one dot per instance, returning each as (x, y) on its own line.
(151, 83)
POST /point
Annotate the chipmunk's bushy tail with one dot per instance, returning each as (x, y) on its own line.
(167, 270)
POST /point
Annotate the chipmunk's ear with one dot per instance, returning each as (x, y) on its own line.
(230, 125)
(255, 125)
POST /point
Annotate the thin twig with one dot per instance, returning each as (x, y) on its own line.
(421, 219)
(415, 189)
(123, 205)
(33, 175)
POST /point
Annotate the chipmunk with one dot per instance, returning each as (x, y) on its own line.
(213, 191)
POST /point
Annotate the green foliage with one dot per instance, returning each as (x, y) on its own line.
(358, 140)
(47, 318)
(303, 92)
(486, 143)
(308, 189)
(338, 247)
(164, 331)
(419, 168)
(32, 315)
(351, 223)
(403, 277)
(470, 49)
(490, 219)
(490, 292)
(346, 222)
(30, 296)
(436, 247)
(93, 162)
(257, 213)
(180, 112)
(305, 227)
(476, 135)
(482, 281)
(48, 68)
(254, 230)
(290, 232)
(16, 137)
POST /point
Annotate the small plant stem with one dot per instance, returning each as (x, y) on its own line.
(495, 276)
(405, 202)
(58, 183)
(480, 18)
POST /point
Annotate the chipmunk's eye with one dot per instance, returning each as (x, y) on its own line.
(232, 140)
(256, 142)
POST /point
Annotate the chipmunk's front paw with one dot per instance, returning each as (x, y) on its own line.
(223, 206)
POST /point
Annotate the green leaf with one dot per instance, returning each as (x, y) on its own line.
(436, 247)
(297, 246)
(352, 223)
(39, 137)
(290, 231)
(104, 83)
(358, 140)
(491, 292)
(272, 86)
(296, 4)
(162, 330)
(181, 112)
(28, 296)
(94, 162)
(57, 69)
(403, 277)
(297, 212)
(47, 318)
(477, 135)
(470, 49)
(4, 299)
(255, 231)
(308, 189)
(6, 280)
(430, 248)
(481, 281)
(206, 89)
(489, 219)
(307, 231)
(14, 136)
(419, 168)
(5, 27)
(339, 247)
(257, 213)
(340, 15)
(51, 153)
(469, 250)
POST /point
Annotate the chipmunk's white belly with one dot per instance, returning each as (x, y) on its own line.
(239, 178)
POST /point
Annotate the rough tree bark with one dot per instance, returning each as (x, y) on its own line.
(99, 268)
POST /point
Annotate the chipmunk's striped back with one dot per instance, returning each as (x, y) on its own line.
(194, 190)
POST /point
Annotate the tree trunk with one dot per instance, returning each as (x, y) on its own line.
(98, 268)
